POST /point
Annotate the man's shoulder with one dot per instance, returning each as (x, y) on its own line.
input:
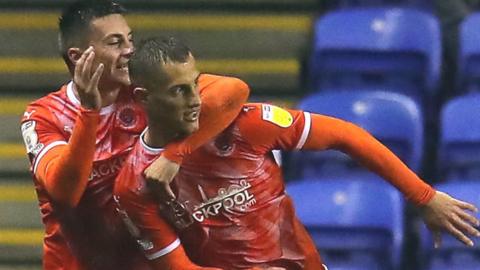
(57, 95)
(47, 104)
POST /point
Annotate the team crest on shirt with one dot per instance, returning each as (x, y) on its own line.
(224, 143)
(276, 115)
(127, 116)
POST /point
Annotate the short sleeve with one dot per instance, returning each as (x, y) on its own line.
(268, 127)
(40, 132)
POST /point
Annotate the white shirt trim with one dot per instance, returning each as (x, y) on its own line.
(44, 151)
(153, 150)
(306, 131)
(71, 94)
(73, 98)
(164, 251)
(324, 266)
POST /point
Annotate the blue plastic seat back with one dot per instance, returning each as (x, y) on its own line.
(392, 118)
(395, 48)
(352, 219)
(453, 254)
(460, 138)
(469, 54)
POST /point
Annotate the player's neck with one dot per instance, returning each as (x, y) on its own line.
(109, 96)
(158, 137)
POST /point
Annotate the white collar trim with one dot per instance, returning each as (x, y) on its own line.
(73, 98)
(153, 150)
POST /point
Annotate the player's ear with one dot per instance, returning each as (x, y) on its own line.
(74, 55)
(140, 94)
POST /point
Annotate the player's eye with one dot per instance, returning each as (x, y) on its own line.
(178, 90)
(114, 42)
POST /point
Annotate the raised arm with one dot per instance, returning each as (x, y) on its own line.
(64, 169)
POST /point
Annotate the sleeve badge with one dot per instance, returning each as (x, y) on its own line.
(276, 115)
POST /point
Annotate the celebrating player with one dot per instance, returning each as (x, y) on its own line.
(231, 208)
(78, 137)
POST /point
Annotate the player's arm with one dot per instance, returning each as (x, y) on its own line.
(294, 130)
(64, 168)
(440, 211)
(222, 98)
(327, 132)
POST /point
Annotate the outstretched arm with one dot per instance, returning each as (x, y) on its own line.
(328, 132)
(222, 99)
(439, 211)
(62, 172)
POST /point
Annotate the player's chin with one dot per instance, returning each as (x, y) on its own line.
(122, 78)
(189, 127)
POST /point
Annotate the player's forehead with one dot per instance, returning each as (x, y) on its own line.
(109, 26)
(181, 72)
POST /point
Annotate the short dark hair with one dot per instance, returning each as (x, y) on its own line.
(74, 23)
(151, 54)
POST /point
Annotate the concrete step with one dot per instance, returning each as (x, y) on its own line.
(20, 257)
(21, 266)
(21, 231)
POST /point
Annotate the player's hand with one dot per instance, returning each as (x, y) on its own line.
(86, 81)
(444, 213)
(159, 175)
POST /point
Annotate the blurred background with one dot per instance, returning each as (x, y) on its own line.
(407, 71)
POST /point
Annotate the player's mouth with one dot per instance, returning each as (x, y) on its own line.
(192, 115)
(123, 67)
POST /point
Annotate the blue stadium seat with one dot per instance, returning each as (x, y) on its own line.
(392, 118)
(459, 145)
(355, 223)
(469, 54)
(452, 254)
(422, 4)
(398, 49)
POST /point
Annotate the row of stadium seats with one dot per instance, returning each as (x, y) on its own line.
(395, 49)
(358, 224)
(395, 120)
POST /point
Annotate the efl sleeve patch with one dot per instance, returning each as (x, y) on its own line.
(30, 138)
(276, 115)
